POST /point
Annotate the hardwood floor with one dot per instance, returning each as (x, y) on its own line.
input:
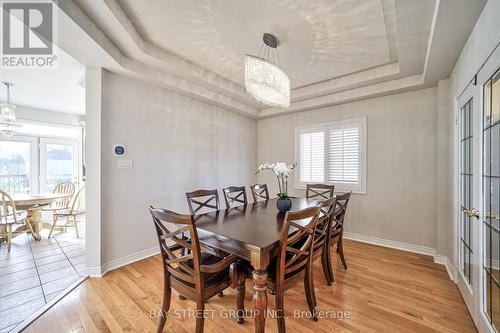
(383, 290)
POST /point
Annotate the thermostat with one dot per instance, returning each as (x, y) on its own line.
(119, 149)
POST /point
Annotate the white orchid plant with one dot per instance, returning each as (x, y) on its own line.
(282, 171)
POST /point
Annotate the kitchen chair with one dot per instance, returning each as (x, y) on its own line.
(194, 274)
(337, 230)
(259, 191)
(61, 188)
(77, 208)
(203, 201)
(235, 195)
(11, 217)
(294, 261)
(321, 236)
(322, 191)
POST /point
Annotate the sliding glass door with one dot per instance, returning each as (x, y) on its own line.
(18, 159)
(58, 163)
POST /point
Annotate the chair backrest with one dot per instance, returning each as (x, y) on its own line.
(234, 195)
(295, 248)
(78, 205)
(63, 188)
(259, 191)
(8, 213)
(176, 251)
(319, 190)
(340, 210)
(203, 200)
(322, 231)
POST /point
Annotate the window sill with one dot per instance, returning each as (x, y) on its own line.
(338, 190)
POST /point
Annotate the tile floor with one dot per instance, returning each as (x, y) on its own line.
(33, 272)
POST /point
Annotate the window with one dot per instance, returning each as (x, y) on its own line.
(39, 157)
(332, 153)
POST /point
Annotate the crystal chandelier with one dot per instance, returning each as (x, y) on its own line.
(8, 123)
(265, 80)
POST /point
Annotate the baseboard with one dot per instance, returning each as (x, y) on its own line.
(114, 264)
(390, 243)
(429, 251)
(93, 271)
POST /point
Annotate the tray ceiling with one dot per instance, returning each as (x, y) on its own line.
(335, 51)
(319, 40)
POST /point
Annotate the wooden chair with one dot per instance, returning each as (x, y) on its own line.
(322, 191)
(337, 230)
(201, 200)
(322, 235)
(9, 218)
(235, 195)
(61, 188)
(294, 261)
(77, 208)
(259, 191)
(195, 275)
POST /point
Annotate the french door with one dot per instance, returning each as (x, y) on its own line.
(468, 197)
(477, 194)
(491, 194)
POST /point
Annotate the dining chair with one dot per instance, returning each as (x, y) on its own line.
(61, 188)
(196, 275)
(323, 191)
(203, 200)
(294, 261)
(321, 236)
(77, 208)
(259, 191)
(235, 195)
(9, 218)
(337, 230)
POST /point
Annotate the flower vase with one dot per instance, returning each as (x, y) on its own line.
(284, 205)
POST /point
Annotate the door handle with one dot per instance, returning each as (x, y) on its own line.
(471, 212)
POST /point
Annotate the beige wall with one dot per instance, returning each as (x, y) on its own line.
(177, 144)
(402, 147)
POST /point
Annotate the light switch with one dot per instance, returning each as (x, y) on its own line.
(125, 163)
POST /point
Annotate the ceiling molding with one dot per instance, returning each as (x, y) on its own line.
(414, 31)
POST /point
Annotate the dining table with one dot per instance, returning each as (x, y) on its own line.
(251, 232)
(33, 204)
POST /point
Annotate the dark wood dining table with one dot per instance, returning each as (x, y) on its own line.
(251, 232)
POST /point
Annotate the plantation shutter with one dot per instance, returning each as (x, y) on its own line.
(344, 154)
(312, 157)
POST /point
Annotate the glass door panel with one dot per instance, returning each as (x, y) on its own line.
(17, 174)
(466, 190)
(58, 163)
(491, 199)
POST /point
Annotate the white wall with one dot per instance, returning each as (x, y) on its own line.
(177, 145)
(400, 203)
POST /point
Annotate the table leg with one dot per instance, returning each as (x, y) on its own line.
(34, 217)
(260, 299)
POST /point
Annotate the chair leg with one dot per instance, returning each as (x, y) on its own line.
(53, 224)
(340, 250)
(9, 237)
(310, 296)
(76, 226)
(326, 264)
(200, 316)
(167, 294)
(240, 298)
(280, 310)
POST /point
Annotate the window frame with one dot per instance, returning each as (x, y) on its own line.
(360, 187)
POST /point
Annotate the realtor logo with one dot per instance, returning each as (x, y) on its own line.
(27, 34)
